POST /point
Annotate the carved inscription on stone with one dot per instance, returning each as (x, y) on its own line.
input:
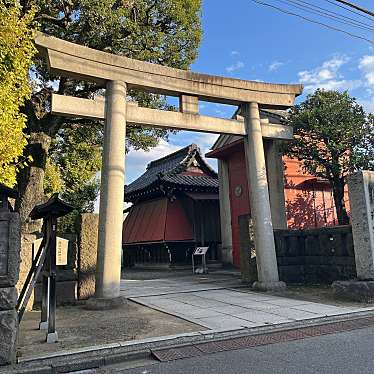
(4, 245)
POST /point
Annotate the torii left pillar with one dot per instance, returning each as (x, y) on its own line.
(108, 270)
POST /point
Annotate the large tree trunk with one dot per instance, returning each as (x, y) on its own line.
(30, 180)
(338, 192)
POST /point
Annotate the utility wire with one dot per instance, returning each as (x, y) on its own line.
(349, 10)
(318, 12)
(339, 15)
(361, 9)
(313, 21)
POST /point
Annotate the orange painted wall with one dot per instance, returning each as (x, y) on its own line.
(307, 206)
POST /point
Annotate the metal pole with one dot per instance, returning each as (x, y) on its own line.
(52, 336)
(43, 325)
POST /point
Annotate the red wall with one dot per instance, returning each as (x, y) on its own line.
(239, 204)
(157, 220)
(307, 206)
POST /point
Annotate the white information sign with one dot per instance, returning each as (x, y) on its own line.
(201, 251)
(62, 251)
(62, 246)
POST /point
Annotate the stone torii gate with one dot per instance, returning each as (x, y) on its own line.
(118, 74)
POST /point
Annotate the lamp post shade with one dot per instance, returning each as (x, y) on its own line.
(53, 207)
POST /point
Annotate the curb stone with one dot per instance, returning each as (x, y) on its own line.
(114, 353)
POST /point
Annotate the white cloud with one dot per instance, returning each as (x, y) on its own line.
(368, 105)
(366, 65)
(136, 161)
(235, 53)
(274, 66)
(328, 76)
(236, 66)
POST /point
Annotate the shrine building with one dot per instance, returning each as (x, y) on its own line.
(175, 209)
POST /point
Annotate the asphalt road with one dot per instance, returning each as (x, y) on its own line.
(349, 352)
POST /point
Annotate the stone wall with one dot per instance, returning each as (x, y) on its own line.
(321, 255)
(10, 244)
(87, 255)
(25, 263)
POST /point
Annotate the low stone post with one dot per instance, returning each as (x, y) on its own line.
(267, 268)
(10, 244)
(361, 197)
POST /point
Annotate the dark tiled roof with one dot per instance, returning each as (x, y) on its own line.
(168, 170)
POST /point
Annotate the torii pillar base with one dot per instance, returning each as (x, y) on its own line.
(104, 304)
(269, 286)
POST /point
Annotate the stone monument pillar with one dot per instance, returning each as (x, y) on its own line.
(266, 259)
(361, 197)
(10, 245)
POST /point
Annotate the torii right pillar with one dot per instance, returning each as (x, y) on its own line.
(267, 269)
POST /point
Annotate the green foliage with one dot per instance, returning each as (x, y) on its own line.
(53, 179)
(75, 160)
(165, 32)
(16, 52)
(333, 138)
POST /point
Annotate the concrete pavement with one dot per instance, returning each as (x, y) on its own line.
(217, 302)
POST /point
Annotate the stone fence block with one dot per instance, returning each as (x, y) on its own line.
(8, 334)
(10, 243)
(8, 298)
(25, 265)
(361, 197)
(87, 254)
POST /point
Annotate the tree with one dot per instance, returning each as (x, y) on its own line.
(166, 32)
(74, 161)
(333, 138)
(16, 52)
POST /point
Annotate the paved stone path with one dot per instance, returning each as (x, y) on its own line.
(216, 303)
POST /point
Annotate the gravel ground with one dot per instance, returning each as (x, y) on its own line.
(318, 293)
(78, 327)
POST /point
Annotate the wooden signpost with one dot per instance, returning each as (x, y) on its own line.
(45, 263)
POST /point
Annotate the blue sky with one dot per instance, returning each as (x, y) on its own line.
(245, 40)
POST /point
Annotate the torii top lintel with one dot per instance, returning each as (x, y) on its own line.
(73, 60)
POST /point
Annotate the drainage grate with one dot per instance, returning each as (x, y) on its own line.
(211, 347)
(171, 354)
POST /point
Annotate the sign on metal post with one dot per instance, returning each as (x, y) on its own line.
(200, 251)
